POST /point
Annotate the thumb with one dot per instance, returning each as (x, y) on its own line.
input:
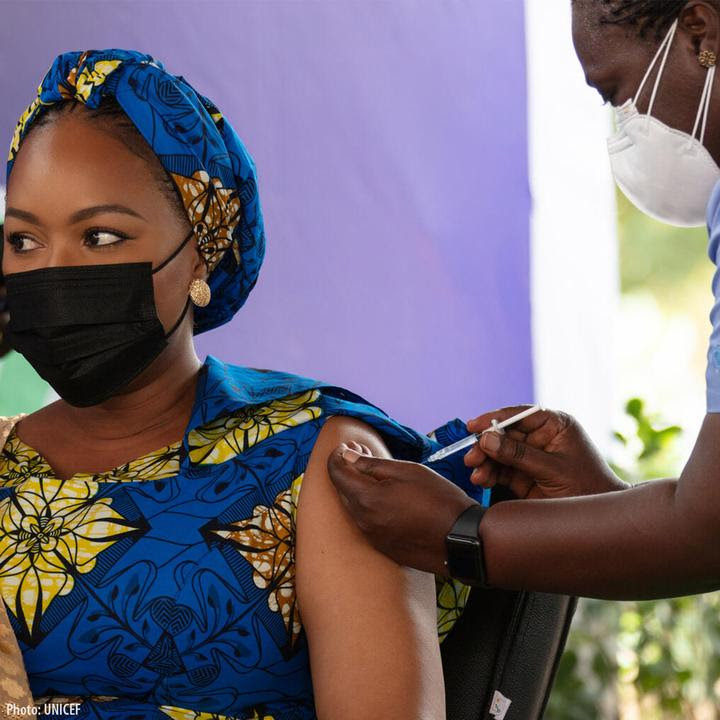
(377, 468)
(518, 455)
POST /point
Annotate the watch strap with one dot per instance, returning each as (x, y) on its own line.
(467, 522)
(465, 561)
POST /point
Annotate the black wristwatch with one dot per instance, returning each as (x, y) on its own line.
(465, 560)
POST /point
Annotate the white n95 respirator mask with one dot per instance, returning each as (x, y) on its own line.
(666, 173)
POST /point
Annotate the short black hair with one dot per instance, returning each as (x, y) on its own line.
(646, 15)
(110, 116)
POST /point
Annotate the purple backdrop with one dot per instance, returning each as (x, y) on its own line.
(390, 139)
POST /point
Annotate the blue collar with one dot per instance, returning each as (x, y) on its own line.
(224, 389)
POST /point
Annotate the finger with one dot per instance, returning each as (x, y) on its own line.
(481, 422)
(475, 456)
(487, 475)
(349, 482)
(341, 466)
(358, 447)
(377, 468)
(506, 451)
(528, 424)
(516, 481)
(556, 424)
(481, 476)
(515, 433)
(520, 486)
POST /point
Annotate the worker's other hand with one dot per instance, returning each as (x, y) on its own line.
(546, 455)
(405, 509)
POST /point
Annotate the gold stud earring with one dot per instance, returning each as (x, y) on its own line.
(707, 58)
(199, 292)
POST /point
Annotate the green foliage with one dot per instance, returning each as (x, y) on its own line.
(655, 256)
(653, 440)
(658, 660)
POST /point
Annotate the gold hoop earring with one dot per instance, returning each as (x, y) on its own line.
(199, 292)
(707, 58)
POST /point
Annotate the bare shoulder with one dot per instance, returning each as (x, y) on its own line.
(319, 502)
(343, 428)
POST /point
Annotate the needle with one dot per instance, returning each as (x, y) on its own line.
(472, 439)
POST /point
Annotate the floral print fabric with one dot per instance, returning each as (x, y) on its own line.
(165, 588)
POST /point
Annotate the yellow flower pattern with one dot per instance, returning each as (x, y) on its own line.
(157, 465)
(452, 597)
(267, 541)
(50, 530)
(19, 462)
(223, 439)
(21, 124)
(180, 714)
(88, 79)
(82, 84)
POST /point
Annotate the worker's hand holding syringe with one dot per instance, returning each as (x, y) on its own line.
(406, 509)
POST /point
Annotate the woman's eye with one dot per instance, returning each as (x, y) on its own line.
(98, 238)
(22, 243)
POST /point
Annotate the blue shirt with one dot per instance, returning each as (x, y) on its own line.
(712, 374)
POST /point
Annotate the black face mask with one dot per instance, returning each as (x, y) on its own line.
(88, 330)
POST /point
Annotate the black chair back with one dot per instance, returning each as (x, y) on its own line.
(503, 653)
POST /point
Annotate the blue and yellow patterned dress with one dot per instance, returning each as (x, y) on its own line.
(165, 588)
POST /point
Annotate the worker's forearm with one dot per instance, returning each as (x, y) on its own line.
(631, 544)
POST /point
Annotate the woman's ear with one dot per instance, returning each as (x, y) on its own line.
(701, 21)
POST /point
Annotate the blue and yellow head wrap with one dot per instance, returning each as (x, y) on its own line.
(199, 149)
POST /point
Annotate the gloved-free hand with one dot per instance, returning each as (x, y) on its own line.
(546, 455)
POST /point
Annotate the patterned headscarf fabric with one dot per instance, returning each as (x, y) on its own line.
(196, 145)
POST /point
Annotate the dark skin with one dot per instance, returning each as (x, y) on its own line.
(64, 168)
(578, 529)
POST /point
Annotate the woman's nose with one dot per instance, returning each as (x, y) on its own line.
(62, 252)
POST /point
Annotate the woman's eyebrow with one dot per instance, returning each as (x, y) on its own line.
(96, 209)
(76, 217)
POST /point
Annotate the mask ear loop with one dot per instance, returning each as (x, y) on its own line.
(664, 46)
(168, 259)
(704, 106)
(179, 320)
(174, 253)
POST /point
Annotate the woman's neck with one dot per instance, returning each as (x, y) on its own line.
(155, 405)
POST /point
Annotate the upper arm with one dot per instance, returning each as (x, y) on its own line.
(697, 497)
(370, 623)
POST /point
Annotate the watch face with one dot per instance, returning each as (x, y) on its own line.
(461, 541)
(464, 558)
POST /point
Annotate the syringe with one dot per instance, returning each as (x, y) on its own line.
(472, 439)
